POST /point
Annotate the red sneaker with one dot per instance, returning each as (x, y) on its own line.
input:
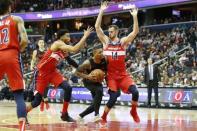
(42, 106)
(134, 114)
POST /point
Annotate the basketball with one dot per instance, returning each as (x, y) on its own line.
(98, 74)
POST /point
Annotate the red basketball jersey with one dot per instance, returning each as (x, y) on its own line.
(116, 55)
(50, 60)
(9, 38)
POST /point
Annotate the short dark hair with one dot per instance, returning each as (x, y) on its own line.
(61, 33)
(4, 6)
(114, 26)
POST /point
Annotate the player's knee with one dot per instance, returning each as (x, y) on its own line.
(37, 100)
(112, 99)
(67, 90)
(20, 103)
(134, 91)
(66, 87)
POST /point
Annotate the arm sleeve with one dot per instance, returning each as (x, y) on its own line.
(71, 62)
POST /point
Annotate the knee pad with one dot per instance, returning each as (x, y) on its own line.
(112, 98)
(37, 100)
(134, 91)
(67, 90)
(20, 103)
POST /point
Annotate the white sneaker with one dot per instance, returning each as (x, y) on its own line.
(80, 120)
(97, 119)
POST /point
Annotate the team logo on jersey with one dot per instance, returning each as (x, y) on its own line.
(56, 56)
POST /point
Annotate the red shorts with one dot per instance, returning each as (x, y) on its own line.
(11, 65)
(41, 81)
(123, 83)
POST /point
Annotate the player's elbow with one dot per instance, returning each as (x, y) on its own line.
(97, 27)
(74, 50)
(136, 31)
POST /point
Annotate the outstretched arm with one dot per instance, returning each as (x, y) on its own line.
(127, 40)
(68, 48)
(103, 38)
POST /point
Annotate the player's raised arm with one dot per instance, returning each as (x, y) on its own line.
(103, 38)
(22, 33)
(127, 40)
(79, 45)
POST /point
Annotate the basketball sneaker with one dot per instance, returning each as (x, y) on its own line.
(80, 120)
(97, 118)
(66, 117)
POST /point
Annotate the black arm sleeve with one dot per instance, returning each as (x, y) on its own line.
(71, 62)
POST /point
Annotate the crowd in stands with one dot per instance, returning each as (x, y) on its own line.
(176, 69)
(49, 5)
(172, 19)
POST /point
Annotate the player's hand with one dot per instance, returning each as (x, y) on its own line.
(134, 11)
(92, 78)
(88, 31)
(104, 5)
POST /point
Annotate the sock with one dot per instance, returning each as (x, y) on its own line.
(104, 116)
(42, 106)
(47, 105)
(65, 107)
(22, 125)
(134, 114)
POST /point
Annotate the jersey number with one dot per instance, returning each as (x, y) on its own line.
(115, 55)
(4, 33)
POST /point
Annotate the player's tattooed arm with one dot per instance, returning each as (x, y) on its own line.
(22, 33)
(81, 70)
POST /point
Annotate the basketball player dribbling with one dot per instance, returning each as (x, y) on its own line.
(11, 27)
(95, 87)
(115, 52)
(47, 72)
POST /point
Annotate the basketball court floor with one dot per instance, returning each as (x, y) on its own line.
(118, 119)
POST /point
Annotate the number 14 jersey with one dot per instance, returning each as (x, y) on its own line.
(116, 55)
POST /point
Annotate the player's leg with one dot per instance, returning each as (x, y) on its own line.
(128, 86)
(40, 84)
(44, 101)
(90, 108)
(15, 77)
(97, 101)
(58, 80)
(113, 95)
